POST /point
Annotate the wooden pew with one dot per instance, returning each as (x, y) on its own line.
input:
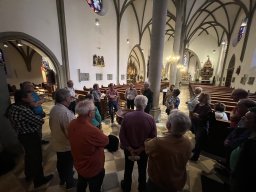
(216, 136)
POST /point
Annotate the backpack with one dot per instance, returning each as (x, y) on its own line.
(113, 144)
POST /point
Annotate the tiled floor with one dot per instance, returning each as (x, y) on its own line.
(114, 165)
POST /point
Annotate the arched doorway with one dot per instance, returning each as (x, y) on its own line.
(34, 44)
(136, 70)
(192, 63)
(230, 71)
(31, 47)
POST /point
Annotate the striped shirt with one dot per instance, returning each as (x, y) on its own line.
(23, 119)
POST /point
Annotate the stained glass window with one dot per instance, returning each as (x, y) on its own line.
(96, 5)
(242, 29)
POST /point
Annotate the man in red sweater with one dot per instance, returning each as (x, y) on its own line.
(87, 147)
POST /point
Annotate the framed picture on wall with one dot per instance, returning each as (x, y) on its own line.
(99, 76)
(244, 79)
(109, 76)
(251, 80)
(98, 61)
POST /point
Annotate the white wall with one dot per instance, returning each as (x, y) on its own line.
(34, 17)
(248, 65)
(128, 30)
(83, 38)
(203, 46)
(16, 68)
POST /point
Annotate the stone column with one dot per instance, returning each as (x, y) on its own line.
(8, 138)
(220, 62)
(178, 40)
(156, 52)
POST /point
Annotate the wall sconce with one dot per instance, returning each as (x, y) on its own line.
(173, 59)
(97, 22)
(19, 44)
(5, 45)
(179, 66)
(142, 50)
(214, 51)
(127, 41)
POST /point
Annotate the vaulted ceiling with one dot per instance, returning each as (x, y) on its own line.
(216, 17)
(212, 17)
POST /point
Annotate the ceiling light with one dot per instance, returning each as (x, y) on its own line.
(19, 44)
(142, 50)
(97, 22)
(5, 45)
(214, 51)
(127, 41)
(223, 43)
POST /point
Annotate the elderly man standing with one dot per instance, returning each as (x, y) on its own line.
(70, 88)
(97, 97)
(146, 91)
(60, 117)
(36, 104)
(169, 155)
(87, 147)
(194, 101)
(137, 126)
(28, 126)
(130, 94)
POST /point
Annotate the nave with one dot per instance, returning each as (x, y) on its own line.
(14, 181)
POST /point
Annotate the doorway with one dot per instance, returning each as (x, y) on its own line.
(21, 51)
(230, 71)
(136, 65)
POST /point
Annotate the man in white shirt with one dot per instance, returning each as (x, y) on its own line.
(60, 117)
(70, 88)
(194, 101)
(130, 95)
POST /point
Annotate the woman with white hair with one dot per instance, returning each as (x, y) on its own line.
(87, 147)
(169, 155)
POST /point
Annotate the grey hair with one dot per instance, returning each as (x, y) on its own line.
(198, 90)
(146, 83)
(26, 85)
(141, 101)
(61, 95)
(179, 122)
(84, 107)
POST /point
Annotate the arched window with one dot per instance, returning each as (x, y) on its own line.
(96, 5)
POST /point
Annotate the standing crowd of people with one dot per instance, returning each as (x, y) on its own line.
(78, 140)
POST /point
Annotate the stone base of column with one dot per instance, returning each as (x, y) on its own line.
(156, 113)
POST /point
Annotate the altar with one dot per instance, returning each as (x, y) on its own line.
(206, 72)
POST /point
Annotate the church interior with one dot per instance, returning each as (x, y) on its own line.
(185, 43)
